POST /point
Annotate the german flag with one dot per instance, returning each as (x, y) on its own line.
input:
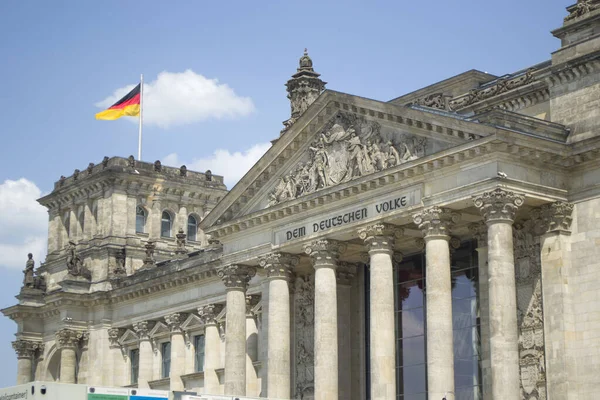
(128, 106)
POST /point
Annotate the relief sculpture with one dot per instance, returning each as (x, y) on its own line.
(529, 311)
(347, 148)
(305, 321)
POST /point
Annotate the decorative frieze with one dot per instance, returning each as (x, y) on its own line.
(236, 276)
(380, 237)
(435, 221)
(325, 252)
(279, 265)
(499, 205)
(582, 8)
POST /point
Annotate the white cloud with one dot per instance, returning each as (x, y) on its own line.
(23, 223)
(232, 166)
(181, 98)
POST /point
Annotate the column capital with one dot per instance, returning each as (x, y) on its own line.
(26, 348)
(556, 217)
(325, 252)
(174, 322)
(236, 276)
(208, 313)
(479, 232)
(114, 334)
(435, 221)
(279, 265)
(345, 273)
(380, 237)
(499, 205)
(142, 329)
(69, 338)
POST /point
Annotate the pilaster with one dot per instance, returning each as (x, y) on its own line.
(145, 372)
(212, 344)
(174, 322)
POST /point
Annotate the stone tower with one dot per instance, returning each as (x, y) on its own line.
(303, 89)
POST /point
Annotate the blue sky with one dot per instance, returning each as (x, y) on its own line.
(61, 58)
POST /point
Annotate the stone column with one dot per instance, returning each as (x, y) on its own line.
(115, 371)
(345, 276)
(174, 322)
(435, 223)
(251, 346)
(212, 347)
(498, 208)
(142, 329)
(67, 341)
(279, 268)
(84, 361)
(25, 350)
(236, 278)
(325, 254)
(555, 247)
(380, 239)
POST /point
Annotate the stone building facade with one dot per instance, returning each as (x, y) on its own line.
(443, 244)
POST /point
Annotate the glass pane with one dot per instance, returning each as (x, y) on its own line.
(466, 372)
(199, 349)
(411, 351)
(463, 284)
(410, 323)
(140, 220)
(410, 294)
(471, 393)
(466, 343)
(414, 396)
(165, 226)
(412, 380)
(192, 228)
(464, 313)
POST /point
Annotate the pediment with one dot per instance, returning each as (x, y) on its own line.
(192, 322)
(160, 330)
(340, 138)
(129, 337)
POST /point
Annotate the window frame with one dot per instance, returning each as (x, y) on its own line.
(165, 362)
(134, 367)
(195, 225)
(199, 366)
(137, 215)
(163, 220)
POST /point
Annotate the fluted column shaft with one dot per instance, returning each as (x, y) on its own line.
(142, 329)
(236, 278)
(174, 322)
(25, 350)
(435, 223)
(279, 272)
(380, 239)
(498, 208)
(212, 347)
(325, 254)
(67, 341)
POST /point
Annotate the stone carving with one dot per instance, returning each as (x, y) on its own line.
(380, 237)
(556, 217)
(435, 100)
(90, 168)
(142, 330)
(435, 221)
(530, 315)
(180, 251)
(183, 170)
(149, 261)
(114, 334)
(28, 280)
(76, 174)
(582, 8)
(500, 86)
(325, 252)
(131, 161)
(75, 265)
(157, 166)
(304, 308)
(347, 148)
(120, 258)
(27, 348)
(499, 205)
(174, 321)
(105, 162)
(236, 276)
(69, 338)
(208, 175)
(208, 313)
(61, 181)
(279, 265)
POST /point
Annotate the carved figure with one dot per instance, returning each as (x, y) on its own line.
(90, 168)
(393, 157)
(74, 263)
(183, 170)
(157, 166)
(376, 156)
(105, 162)
(28, 280)
(208, 175)
(76, 174)
(321, 161)
(131, 161)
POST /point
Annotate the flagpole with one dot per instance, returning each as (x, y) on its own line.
(141, 119)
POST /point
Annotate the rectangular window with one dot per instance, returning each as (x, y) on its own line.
(165, 350)
(199, 352)
(134, 357)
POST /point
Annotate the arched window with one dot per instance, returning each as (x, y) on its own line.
(192, 228)
(166, 223)
(140, 219)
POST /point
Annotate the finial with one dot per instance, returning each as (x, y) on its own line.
(305, 51)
